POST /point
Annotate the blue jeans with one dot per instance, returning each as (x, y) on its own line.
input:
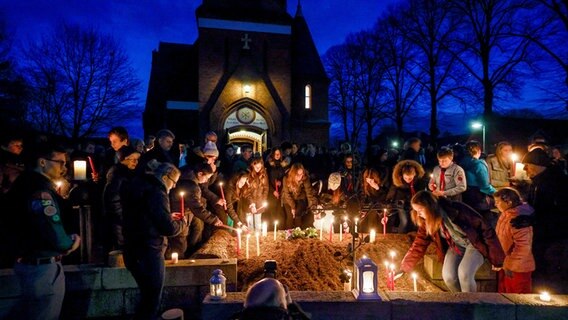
(458, 272)
(42, 290)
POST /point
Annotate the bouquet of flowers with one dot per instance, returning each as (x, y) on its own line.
(297, 233)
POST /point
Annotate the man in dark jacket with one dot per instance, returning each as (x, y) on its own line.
(147, 223)
(160, 152)
(547, 195)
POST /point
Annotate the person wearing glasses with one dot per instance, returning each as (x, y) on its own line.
(37, 235)
(147, 222)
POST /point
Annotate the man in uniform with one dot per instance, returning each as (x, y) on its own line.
(39, 240)
(447, 179)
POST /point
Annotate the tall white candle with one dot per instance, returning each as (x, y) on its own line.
(414, 281)
(356, 222)
(275, 228)
(257, 243)
(340, 232)
(372, 236)
(247, 246)
(392, 254)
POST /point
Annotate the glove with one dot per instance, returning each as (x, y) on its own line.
(522, 221)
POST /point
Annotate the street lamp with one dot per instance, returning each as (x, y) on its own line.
(478, 125)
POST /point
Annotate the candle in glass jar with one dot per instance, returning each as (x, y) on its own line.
(175, 257)
(372, 236)
(544, 296)
(80, 170)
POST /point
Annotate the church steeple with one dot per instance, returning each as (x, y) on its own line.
(299, 9)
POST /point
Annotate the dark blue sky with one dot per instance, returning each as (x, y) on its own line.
(141, 24)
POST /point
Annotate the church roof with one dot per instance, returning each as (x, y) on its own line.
(261, 11)
(305, 57)
(174, 74)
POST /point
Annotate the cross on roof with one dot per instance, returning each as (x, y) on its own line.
(246, 40)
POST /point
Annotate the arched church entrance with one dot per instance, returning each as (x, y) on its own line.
(245, 124)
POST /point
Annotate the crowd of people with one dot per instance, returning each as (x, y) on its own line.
(151, 199)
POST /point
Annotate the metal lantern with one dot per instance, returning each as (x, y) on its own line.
(366, 280)
(217, 285)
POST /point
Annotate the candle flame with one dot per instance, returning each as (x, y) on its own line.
(182, 193)
(58, 183)
(221, 184)
(514, 157)
(414, 275)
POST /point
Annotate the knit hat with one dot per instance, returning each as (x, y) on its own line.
(210, 149)
(537, 157)
(125, 151)
(334, 181)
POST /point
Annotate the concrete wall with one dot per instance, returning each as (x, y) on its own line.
(408, 305)
(101, 292)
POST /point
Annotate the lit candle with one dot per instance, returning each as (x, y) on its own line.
(247, 246)
(58, 184)
(249, 221)
(392, 276)
(392, 255)
(356, 223)
(223, 195)
(514, 158)
(275, 228)
(181, 202)
(384, 221)
(544, 296)
(257, 234)
(80, 170)
(341, 231)
(265, 229)
(331, 230)
(239, 241)
(175, 257)
(414, 276)
(372, 236)
(387, 273)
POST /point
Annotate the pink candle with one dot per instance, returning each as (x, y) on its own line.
(384, 222)
(223, 195)
(92, 165)
(181, 202)
(331, 230)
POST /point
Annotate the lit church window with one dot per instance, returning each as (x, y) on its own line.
(308, 96)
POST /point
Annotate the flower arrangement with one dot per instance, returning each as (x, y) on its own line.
(298, 233)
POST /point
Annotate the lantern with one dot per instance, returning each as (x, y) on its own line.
(80, 170)
(217, 285)
(366, 280)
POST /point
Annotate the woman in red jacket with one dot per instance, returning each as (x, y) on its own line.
(462, 237)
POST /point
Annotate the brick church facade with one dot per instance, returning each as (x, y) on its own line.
(253, 76)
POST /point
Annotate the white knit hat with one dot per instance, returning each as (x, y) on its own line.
(210, 149)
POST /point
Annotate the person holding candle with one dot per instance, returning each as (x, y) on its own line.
(276, 168)
(117, 176)
(258, 183)
(501, 165)
(36, 236)
(147, 222)
(463, 239)
(237, 193)
(407, 180)
(298, 197)
(447, 178)
(515, 275)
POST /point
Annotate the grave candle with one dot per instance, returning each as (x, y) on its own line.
(275, 227)
(372, 236)
(414, 281)
(247, 246)
(257, 234)
(392, 276)
(544, 296)
(175, 257)
(356, 222)
(341, 230)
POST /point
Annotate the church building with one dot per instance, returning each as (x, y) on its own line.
(253, 76)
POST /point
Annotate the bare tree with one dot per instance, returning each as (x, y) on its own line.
(488, 47)
(81, 82)
(402, 90)
(365, 51)
(429, 25)
(340, 68)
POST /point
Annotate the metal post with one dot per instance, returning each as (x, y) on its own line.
(484, 150)
(85, 232)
